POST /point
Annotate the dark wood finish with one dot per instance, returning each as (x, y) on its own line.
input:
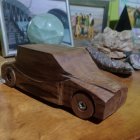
(61, 75)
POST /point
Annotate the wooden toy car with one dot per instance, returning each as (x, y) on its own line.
(65, 76)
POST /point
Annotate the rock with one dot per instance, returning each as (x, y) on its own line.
(114, 41)
(108, 41)
(45, 29)
(109, 37)
(110, 32)
(117, 55)
(117, 45)
(98, 40)
(135, 60)
(104, 62)
(127, 46)
(104, 50)
(125, 35)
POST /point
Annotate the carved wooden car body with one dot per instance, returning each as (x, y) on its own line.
(65, 76)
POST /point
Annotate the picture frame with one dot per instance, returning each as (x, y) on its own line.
(96, 18)
(133, 10)
(16, 15)
(130, 3)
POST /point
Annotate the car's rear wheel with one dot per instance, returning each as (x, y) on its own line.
(82, 106)
(9, 76)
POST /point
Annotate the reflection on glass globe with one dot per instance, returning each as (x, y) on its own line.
(45, 28)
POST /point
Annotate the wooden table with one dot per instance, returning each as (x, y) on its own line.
(25, 118)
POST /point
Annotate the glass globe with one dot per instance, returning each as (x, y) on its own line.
(45, 28)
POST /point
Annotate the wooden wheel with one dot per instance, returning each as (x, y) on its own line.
(82, 106)
(9, 76)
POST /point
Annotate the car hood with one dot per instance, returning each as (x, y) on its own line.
(103, 88)
(79, 65)
(100, 81)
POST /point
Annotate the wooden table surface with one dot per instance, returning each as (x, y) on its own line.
(25, 118)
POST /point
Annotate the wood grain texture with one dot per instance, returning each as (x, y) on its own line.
(22, 117)
(65, 76)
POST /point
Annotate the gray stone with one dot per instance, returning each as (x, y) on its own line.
(135, 60)
(106, 63)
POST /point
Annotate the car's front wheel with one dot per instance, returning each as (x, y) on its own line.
(9, 76)
(82, 106)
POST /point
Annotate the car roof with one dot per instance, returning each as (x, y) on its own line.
(53, 62)
(48, 61)
(52, 49)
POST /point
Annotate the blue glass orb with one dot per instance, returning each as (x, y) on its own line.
(45, 28)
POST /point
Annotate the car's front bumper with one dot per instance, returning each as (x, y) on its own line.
(105, 110)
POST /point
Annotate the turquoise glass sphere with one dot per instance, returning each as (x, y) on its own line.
(45, 28)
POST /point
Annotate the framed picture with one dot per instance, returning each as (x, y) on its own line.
(88, 19)
(16, 15)
(133, 9)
